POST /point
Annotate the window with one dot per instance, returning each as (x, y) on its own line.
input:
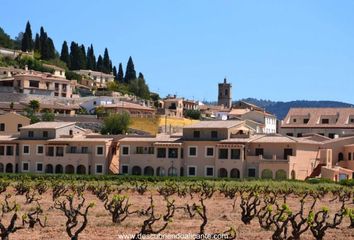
(196, 134)
(325, 121)
(45, 134)
(51, 151)
(306, 120)
(60, 151)
(18, 127)
(26, 150)
(33, 83)
(84, 149)
(99, 168)
(235, 153)
(294, 120)
(299, 135)
(25, 166)
(192, 171)
(288, 152)
(290, 134)
(39, 167)
(99, 151)
(30, 134)
(251, 172)
(9, 150)
(349, 156)
(209, 171)
(151, 150)
(209, 152)
(331, 135)
(125, 150)
(214, 134)
(192, 152)
(2, 127)
(173, 153)
(259, 151)
(161, 152)
(40, 149)
(139, 150)
(125, 169)
(223, 153)
(72, 149)
(2, 150)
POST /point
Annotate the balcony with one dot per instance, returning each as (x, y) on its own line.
(271, 159)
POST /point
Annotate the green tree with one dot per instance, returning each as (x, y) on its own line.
(75, 53)
(116, 124)
(115, 73)
(120, 74)
(130, 73)
(27, 41)
(34, 105)
(82, 57)
(106, 64)
(143, 89)
(99, 66)
(37, 44)
(48, 116)
(193, 114)
(64, 55)
(91, 59)
(5, 40)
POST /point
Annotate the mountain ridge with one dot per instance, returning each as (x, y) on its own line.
(280, 108)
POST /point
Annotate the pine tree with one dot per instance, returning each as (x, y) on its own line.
(130, 73)
(50, 49)
(82, 57)
(106, 62)
(64, 55)
(91, 59)
(99, 66)
(115, 73)
(27, 41)
(75, 52)
(120, 74)
(37, 44)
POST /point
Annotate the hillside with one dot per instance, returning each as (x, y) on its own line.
(280, 109)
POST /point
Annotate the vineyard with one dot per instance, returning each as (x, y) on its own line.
(44, 207)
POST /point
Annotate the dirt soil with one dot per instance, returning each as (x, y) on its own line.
(221, 216)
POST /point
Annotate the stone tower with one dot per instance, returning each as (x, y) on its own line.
(224, 97)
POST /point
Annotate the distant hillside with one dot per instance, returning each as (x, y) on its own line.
(280, 109)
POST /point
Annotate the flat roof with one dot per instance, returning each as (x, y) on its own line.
(48, 125)
(215, 124)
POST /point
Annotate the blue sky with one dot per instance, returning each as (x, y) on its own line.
(278, 50)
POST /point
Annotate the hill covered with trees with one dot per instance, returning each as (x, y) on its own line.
(75, 56)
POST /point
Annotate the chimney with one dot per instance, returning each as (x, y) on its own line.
(26, 67)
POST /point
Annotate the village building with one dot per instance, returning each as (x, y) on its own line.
(329, 122)
(98, 79)
(58, 147)
(11, 123)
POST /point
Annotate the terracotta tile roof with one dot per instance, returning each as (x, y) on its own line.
(314, 115)
(157, 138)
(239, 111)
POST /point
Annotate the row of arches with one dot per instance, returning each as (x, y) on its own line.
(160, 171)
(172, 171)
(49, 168)
(279, 174)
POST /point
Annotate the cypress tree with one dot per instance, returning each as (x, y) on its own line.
(37, 44)
(130, 73)
(120, 74)
(75, 53)
(27, 41)
(91, 59)
(99, 66)
(43, 43)
(50, 49)
(82, 57)
(106, 62)
(143, 89)
(64, 55)
(115, 73)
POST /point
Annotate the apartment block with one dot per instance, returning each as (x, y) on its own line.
(58, 147)
(228, 149)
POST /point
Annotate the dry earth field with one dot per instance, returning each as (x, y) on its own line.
(220, 214)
